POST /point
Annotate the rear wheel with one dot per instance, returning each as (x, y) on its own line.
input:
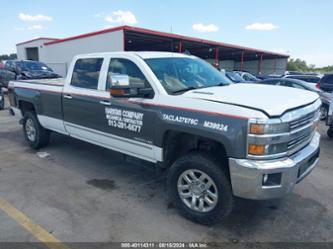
(36, 136)
(200, 189)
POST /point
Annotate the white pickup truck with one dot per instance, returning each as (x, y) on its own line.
(218, 140)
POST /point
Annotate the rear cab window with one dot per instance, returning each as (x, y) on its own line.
(86, 73)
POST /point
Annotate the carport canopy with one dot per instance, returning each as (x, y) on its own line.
(139, 39)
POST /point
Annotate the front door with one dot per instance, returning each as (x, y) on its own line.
(127, 118)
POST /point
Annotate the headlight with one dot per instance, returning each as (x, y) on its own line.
(267, 138)
(262, 129)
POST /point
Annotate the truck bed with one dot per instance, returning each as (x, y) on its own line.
(44, 94)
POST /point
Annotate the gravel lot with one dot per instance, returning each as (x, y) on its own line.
(84, 193)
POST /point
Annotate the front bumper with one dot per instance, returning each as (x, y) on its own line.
(247, 175)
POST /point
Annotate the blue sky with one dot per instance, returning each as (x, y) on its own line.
(300, 28)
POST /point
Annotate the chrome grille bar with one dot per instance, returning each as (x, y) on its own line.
(302, 121)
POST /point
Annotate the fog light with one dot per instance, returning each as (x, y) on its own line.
(257, 149)
(264, 178)
(270, 180)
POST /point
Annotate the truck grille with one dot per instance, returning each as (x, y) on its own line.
(298, 141)
(289, 134)
(303, 121)
(302, 131)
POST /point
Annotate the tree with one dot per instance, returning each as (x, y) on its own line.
(297, 65)
(301, 66)
(12, 56)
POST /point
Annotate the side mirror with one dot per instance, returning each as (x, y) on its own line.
(120, 80)
(121, 87)
(131, 92)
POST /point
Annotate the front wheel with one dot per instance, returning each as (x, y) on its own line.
(200, 189)
(36, 136)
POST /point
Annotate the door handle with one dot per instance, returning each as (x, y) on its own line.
(105, 103)
(67, 96)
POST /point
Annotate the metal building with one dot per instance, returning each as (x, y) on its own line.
(58, 53)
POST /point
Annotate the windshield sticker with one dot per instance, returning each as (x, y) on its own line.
(124, 119)
(180, 119)
(216, 126)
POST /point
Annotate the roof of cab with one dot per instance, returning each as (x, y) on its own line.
(150, 55)
(143, 55)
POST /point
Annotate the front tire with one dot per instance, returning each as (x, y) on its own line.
(36, 136)
(200, 189)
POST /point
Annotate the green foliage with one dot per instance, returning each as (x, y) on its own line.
(301, 66)
(8, 57)
(328, 69)
(297, 65)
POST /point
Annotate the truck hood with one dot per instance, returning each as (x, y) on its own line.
(272, 100)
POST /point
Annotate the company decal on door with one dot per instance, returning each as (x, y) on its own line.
(124, 119)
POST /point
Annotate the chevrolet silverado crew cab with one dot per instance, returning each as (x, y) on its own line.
(217, 140)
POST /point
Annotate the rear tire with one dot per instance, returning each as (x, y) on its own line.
(36, 136)
(199, 176)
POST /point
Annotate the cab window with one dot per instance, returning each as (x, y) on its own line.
(86, 73)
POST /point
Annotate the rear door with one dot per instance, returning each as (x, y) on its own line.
(82, 98)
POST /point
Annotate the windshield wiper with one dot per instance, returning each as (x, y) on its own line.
(199, 87)
(221, 84)
(186, 89)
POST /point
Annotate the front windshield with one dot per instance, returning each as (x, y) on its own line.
(32, 66)
(235, 77)
(180, 74)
